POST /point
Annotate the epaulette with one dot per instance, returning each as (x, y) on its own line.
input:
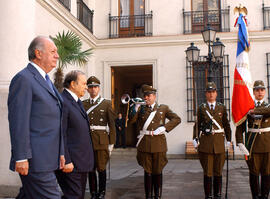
(220, 104)
(203, 105)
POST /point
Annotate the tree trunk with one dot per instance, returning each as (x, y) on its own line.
(58, 79)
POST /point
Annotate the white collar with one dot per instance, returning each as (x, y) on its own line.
(40, 70)
(95, 99)
(256, 101)
(153, 105)
(214, 104)
(75, 97)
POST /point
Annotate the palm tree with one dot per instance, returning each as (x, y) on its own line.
(69, 49)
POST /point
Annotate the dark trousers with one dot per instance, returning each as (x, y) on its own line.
(41, 185)
(72, 184)
(120, 138)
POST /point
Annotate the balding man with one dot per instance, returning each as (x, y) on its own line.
(34, 114)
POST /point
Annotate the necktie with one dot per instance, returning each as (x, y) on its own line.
(49, 83)
(212, 107)
(258, 103)
(92, 101)
(81, 105)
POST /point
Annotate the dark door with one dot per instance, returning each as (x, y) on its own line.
(128, 80)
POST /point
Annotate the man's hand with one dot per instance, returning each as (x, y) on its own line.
(62, 161)
(159, 130)
(243, 149)
(195, 143)
(228, 145)
(68, 168)
(110, 148)
(22, 167)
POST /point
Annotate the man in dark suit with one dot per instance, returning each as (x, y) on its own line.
(34, 114)
(78, 144)
(120, 131)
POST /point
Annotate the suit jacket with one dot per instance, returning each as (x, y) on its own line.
(262, 141)
(212, 143)
(102, 115)
(120, 123)
(155, 143)
(34, 114)
(78, 144)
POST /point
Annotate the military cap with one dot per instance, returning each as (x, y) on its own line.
(258, 84)
(93, 81)
(211, 86)
(148, 89)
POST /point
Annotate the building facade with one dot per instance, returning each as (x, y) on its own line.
(136, 42)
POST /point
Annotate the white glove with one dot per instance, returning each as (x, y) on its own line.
(110, 148)
(228, 145)
(159, 130)
(137, 106)
(243, 149)
(195, 143)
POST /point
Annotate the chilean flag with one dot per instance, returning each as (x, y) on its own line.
(242, 99)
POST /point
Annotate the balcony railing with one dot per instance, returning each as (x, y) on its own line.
(195, 21)
(85, 15)
(130, 26)
(266, 18)
(65, 3)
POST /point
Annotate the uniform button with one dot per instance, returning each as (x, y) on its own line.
(92, 118)
(152, 121)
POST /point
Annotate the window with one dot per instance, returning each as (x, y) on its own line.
(65, 3)
(204, 12)
(85, 15)
(197, 75)
(132, 17)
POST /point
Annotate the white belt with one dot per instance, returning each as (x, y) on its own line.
(98, 128)
(259, 130)
(145, 132)
(217, 131)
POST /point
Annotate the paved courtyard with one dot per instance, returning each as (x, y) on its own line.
(182, 180)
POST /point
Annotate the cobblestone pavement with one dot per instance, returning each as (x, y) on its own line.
(182, 180)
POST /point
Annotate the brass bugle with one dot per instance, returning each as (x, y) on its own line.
(126, 99)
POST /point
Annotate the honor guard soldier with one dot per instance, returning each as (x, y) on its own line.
(210, 130)
(102, 127)
(152, 145)
(257, 143)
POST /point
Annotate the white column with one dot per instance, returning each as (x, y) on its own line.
(17, 30)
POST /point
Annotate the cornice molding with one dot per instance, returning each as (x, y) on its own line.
(62, 14)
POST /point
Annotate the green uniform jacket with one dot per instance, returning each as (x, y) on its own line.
(157, 143)
(213, 143)
(262, 141)
(102, 115)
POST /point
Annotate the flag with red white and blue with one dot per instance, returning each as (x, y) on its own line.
(242, 99)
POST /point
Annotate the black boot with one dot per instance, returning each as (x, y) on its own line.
(207, 182)
(148, 185)
(92, 176)
(217, 187)
(254, 186)
(265, 186)
(158, 186)
(102, 184)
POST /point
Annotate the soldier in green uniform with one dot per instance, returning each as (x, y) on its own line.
(210, 130)
(152, 145)
(257, 141)
(102, 126)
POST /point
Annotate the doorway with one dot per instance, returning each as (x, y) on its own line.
(128, 80)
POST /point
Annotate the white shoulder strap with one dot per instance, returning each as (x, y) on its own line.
(93, 107)
(149, 119)
(215, 122)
